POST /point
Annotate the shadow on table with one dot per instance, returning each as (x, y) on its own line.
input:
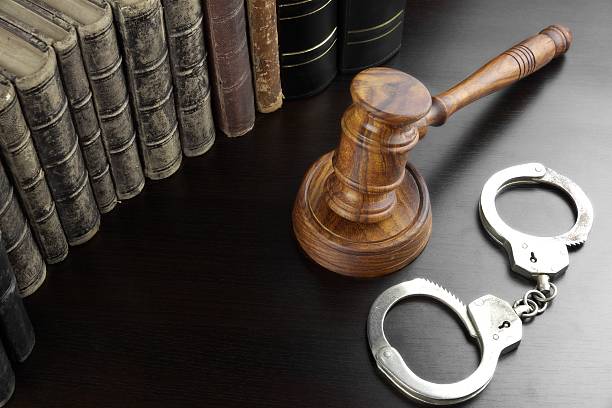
(515, 99)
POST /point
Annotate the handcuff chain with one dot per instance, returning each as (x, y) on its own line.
(534, 302)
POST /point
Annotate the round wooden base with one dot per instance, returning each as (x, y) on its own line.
(359, 249)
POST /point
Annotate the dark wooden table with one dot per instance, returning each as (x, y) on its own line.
(196, 294)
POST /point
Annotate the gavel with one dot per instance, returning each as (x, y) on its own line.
(363, 210)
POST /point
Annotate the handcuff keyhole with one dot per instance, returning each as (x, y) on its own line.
(504, 325)
(533, 258)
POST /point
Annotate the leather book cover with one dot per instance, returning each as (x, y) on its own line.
(190, 74)
(63, 38)
(230, 68)
(23, 253)
(15, 325)
(93, 20)
(141, 27)
(370, 32)
(19, 154)
(31, 65)
(263, 38)
(7, 378)
(307, 35)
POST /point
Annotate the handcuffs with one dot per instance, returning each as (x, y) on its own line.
(493, 322)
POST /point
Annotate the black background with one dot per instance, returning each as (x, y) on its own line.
(196, 294)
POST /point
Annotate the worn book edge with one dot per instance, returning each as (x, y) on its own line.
(33, 187)
(268, 93)
(125, 10)
(218, 90)
(123, 159)
(188, 56)
(30, 84)
(66, 49)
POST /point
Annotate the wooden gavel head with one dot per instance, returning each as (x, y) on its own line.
(362, 209)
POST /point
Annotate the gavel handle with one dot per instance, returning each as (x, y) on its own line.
(510, 66)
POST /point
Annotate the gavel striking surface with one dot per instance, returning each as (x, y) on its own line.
(362, 210)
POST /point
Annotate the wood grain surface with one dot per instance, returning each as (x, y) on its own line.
(362, 210)
(195, 293)
(515, 63)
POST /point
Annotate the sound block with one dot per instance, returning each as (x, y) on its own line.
(361, 249)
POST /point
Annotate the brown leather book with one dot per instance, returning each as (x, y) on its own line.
(230, 69)
(263, 38)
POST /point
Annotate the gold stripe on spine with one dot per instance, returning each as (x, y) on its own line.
(363, 30)
(297, 3)
(312, 60)
(287, 54)
(307, 14)
(377, 37)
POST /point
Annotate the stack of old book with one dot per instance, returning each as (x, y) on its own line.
(96, 96)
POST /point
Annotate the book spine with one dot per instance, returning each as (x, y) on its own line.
(86, 122)
(7, 378)
(15, 324)
(17, 238)
(45, 108)
(104, 65)
(230, 68)
(370, 32)
(190, 74)
(141, 25)
(264, 54)
(307, 36)
(20, 155)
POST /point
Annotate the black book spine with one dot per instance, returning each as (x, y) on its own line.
(17, 238)
(370, 32)
(307, 36)
(19, 153)
(7, 378)
(17, 330)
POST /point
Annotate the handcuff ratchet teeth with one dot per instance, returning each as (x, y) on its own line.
(495, 323)
(492, 321)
